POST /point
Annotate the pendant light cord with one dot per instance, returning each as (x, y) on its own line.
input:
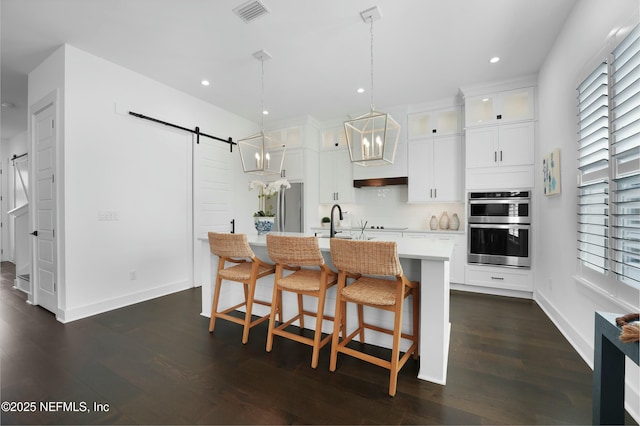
(262, 95)
(372, 105)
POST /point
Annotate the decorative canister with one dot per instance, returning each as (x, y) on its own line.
(433, 223)
(444, 221)
(455, 222)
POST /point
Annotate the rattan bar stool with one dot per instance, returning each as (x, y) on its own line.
(366, 263)
(234, 248)
(294, 253)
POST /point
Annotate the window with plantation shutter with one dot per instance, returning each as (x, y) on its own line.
(625, 158)
(609, 164)
(593, 166)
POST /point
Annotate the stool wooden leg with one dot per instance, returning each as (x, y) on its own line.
(318, 333)
(301, 312)
(276, 306)
(214, 305)
(247, 315)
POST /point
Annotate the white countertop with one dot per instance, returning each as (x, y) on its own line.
(408, 230)
(409, 248)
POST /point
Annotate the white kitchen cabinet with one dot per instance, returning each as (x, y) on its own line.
(440, 122)
(336, 177)
(291, 137)
(458, 257)
(502, 145)
(500, 107)
(435, 171)
(518, 279)
(293, 168)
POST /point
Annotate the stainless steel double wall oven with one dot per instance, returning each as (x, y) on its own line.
(499, 228)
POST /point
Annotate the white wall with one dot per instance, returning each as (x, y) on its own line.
(141, 171)
(569, 302)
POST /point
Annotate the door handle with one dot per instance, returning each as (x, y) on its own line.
(35, 233)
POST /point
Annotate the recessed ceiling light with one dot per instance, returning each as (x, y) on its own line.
(494, 59)
(360, 90)
(205, 82)
(265, 112)
(485, 99)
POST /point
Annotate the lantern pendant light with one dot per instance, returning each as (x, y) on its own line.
(259, 154)
(372, 138)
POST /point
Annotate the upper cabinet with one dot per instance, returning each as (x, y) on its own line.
(439, 122)
(501, 107)
(435, 156)
(291, 137)
(336, 179)
(293, 167)
(500, 136)
(435, 174)
(336, 175)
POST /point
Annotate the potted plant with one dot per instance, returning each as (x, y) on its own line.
(264, 218)
(326, 221)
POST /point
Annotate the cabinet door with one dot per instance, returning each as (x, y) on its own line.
(440, 122)
(516, 105)
(327, 178)
(343, 174)
(447, 172)
(293, 168)
(480, 110)
(420, 171)
(516, 144)
(336, 178)
(481, 147)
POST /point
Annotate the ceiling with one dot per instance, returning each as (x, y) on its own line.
(424, 50)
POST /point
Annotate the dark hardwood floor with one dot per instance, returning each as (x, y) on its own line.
(156, 363)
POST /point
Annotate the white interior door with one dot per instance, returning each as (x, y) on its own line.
(44, 142)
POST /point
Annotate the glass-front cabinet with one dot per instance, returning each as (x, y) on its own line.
(501, 107)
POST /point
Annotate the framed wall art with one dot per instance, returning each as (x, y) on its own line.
(551, 172)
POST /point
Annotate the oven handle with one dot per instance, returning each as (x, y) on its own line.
(500, 226)
(503, 201)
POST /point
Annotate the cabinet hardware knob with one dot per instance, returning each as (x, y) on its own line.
(434, 131)
(499, 116)
(498, 278)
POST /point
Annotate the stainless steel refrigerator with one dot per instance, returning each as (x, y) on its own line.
(289, 208)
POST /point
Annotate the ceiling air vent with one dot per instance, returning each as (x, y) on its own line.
(251, 10)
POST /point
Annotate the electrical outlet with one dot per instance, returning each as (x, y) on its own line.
(108, 215)
(133, 275)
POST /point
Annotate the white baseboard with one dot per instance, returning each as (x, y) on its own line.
(74, 314)
(585, 349)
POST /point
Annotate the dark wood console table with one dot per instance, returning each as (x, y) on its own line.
(608, 370)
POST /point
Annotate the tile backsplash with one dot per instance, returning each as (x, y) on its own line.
(387, 206)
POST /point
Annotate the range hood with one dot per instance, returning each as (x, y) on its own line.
(361, 183)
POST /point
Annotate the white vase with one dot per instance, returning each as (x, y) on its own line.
(264, 224)
(455, 222)
(444, 221)
(433, 223)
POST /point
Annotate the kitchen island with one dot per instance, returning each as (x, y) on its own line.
(424, 260)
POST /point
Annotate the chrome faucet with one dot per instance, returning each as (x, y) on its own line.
(332, 229)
